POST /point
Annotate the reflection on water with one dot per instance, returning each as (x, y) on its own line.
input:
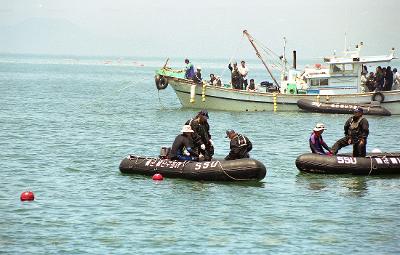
(347, 185)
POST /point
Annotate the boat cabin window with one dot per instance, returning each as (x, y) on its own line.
(342, 68)
(318, 82)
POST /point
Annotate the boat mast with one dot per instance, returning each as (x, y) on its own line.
(251, 40)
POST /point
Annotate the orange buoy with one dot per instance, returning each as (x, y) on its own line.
(157, 177)
(27, 196)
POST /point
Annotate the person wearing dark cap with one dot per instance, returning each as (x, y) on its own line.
(189, 70)
(356, 130)
(240, 145)
(202, 137)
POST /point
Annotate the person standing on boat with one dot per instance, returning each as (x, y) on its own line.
(189, 70)
(388, 79)
(356, 130)
(197, 76)
(202, 138)
(396, 79)
(317, 144)
(182, 148)
(243, 70)
(379, 79)
(240, 146)
(236, 78)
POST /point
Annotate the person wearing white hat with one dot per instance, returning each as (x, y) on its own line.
(182, 147)
(317, 144)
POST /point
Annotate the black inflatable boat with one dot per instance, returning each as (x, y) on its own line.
(218, 170)
(372, 164)
(369, 109)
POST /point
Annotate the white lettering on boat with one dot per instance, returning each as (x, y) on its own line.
(197, 166)
(214, 163)
(346, 160)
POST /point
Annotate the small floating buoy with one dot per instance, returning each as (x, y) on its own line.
(27, 196)
(157, 177)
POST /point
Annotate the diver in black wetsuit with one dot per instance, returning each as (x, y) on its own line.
(202, 137)
(240, 145)
(356, 130)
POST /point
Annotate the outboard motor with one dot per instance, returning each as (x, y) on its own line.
(164, 152)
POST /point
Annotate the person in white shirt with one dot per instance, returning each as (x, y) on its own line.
(396, 79)
(243, 70)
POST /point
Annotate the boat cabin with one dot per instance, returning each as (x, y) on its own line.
(338, 75)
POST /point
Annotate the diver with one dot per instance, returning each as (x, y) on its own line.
(240, 145)
(356, 130)
(317, 144)
(182, 147)
(202, 138)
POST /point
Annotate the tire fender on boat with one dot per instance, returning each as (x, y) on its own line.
(161, 82)
(378, 96)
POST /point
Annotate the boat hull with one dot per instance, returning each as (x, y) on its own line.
(219, 98)
(224, 170)
(373, 164)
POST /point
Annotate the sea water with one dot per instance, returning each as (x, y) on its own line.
(67, 122)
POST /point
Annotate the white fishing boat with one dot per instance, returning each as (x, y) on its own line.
(338, 80)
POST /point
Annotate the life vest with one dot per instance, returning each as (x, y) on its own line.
(354, 128)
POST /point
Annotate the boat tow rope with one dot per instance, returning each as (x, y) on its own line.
(136, 162)
(159, 100)
(233, 178)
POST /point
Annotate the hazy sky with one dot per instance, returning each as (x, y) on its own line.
(203, 28)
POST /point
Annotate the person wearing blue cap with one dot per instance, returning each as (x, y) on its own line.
(202, 137)
(356, 130)
(240, 145)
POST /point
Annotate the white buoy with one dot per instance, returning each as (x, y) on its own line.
(192, 93)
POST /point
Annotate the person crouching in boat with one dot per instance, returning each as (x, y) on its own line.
(317, 144)
(182, 147)
(201, 137)
(240, 145)
(356, 130)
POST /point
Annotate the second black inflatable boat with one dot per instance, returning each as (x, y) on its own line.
(346, 108)
(372, 164)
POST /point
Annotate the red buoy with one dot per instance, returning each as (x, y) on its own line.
(27, 196)
(158, 177)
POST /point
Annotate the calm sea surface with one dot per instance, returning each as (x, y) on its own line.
(66, 123)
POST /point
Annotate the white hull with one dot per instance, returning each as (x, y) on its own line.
(218, 98)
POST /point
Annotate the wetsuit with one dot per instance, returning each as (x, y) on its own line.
(356, 129)
(201, 136)
(317, 144)
(240, 146)
(182, 149)
(236, 78)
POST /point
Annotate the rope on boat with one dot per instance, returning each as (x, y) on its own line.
(370, 170)
(159, 100)
(230, 60)
(233, 178)
(136, 162)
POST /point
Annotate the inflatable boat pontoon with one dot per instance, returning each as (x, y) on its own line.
(218, 170)
(372, 164)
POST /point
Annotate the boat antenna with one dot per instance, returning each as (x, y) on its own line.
(251, 40)
(284, 55)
